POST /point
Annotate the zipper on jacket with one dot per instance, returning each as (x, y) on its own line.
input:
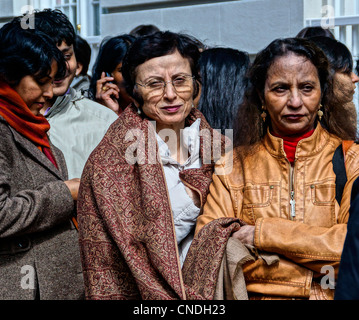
(292, 205)
(292, 193)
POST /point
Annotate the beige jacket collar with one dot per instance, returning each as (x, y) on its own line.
(307, 147)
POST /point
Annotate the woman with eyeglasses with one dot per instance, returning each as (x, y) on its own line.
(145, 184)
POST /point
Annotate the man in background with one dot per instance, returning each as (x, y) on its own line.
(77, 124)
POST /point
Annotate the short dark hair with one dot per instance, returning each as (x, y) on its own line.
(144, 30)
(83, 53)
(157, 45)
(56, 25)
(27, 52)
(224, 82)
(310, 32)
(249, 127)
(339, 57)
(111, 53)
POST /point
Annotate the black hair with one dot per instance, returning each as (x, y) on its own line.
(340, 61)
(144, 30)
(157, 45)
(339, 57)
(249, 127)
(310, 32)
(112, 52)
(83, 53)
(55, 24)
(223, 77)
(27, 52)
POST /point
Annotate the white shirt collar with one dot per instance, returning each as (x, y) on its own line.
(191, 140)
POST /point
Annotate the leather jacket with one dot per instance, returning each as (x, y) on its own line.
(308, 236)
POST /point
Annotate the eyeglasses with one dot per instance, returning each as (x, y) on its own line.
(156, 87)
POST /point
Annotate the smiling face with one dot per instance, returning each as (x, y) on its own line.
(35, 91)
(170, 108)
(61, 85)
(292, 95)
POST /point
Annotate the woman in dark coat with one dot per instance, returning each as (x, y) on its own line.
(39, 254)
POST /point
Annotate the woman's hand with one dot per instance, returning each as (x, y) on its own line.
(107, 93)
(245, 234)
(73, 186)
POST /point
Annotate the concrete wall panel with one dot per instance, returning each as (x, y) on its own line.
(246, 25)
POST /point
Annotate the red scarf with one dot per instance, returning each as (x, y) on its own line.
(18, 115)
(290, 144)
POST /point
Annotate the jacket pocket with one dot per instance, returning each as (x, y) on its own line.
(322, 194)
(258, 198)
(321, 212)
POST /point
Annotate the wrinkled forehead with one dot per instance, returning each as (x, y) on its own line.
(163, 66)
(291, 65)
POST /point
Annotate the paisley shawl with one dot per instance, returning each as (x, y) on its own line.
(126, 229)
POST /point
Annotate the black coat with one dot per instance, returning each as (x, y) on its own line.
(347, 287)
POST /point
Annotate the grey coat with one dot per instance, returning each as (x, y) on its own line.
(39, 252)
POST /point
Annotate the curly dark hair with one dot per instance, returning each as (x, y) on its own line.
(250, 127)
(55, 24)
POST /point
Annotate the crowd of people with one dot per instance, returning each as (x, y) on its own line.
(174, 170)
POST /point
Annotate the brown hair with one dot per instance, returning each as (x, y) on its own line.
(250, 128)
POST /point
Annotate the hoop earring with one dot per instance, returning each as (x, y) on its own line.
(263, 114)
(320, 113)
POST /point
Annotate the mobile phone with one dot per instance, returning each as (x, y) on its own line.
(108, 75)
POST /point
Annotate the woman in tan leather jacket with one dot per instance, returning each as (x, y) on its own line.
(279, 180)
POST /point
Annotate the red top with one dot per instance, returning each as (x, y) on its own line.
(290, 144)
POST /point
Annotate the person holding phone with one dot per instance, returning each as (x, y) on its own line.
(107, 85)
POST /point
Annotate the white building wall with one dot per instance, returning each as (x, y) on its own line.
(6, 11)
(247, 25)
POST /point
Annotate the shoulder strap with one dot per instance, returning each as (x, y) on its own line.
(339, 168)
(346, 144)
